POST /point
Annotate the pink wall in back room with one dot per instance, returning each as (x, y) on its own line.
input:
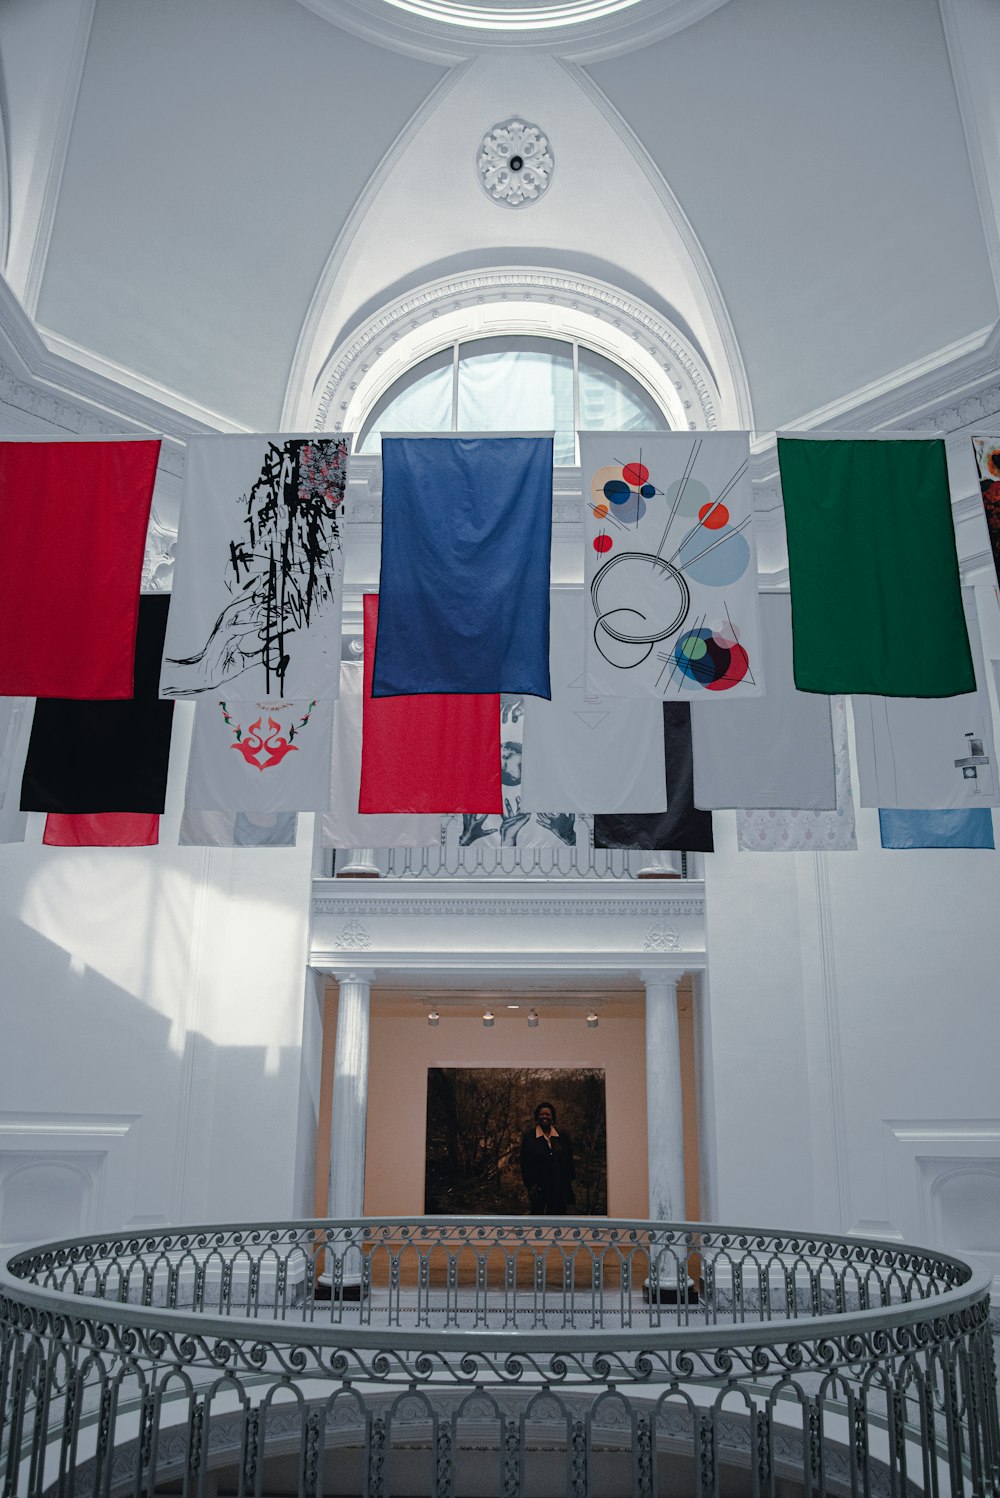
(404, 1046)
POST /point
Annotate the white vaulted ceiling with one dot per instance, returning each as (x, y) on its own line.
(215, 154)
(205, 199)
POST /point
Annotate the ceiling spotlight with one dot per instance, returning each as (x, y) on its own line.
(488, 1018)
(532, 1019)
(433, 1017)
(591, 1020)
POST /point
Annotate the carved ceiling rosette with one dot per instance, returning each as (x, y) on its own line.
(514, 163)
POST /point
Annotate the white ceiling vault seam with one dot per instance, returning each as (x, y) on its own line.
(424, 219)
(319, 309)
(732, 368)
(4, 191)
(32, 202)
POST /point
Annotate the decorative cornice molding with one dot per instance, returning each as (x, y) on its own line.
(495, 905)
(58, 391)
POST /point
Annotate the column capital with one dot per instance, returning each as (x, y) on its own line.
(361, 975)
(669, 977)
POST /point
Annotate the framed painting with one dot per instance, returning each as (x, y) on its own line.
(505, 1141)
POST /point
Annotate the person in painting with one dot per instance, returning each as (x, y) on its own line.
(547, 1167)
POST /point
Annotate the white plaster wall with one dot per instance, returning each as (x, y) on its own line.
(156, 993)
(853, 1028)
(156, 1062)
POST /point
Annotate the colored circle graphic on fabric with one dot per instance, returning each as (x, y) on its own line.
(710, 660)
(601, 510)
(617, 491)
(635, 473)
(691, 496)
(603, 542)
(715, 560)
(713, 516)
(610, 473)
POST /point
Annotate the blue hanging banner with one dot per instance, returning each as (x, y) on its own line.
(937, 829)
(464, 590)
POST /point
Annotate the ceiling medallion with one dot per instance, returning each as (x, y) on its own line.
(514, 164)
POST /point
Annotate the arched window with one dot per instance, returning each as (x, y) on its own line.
(511, 383)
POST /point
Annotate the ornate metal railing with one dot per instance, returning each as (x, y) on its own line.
(490, 858)
(429, 1356)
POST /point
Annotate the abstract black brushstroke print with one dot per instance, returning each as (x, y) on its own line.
(282, 567)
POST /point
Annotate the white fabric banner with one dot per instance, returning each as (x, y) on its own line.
(518, 828)
(227, 829)
(582, 751)
(767, 752)
(260, 757)
(344, 826)
(789, 831)
(929, 753)
(16, 714)
(257, 591)
(670, 565)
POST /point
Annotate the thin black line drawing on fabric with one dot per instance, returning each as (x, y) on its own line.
(281, 570)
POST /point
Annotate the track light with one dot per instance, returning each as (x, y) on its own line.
(591, 1020)
(488, 1019)
(433, 1017)
(532, 1019)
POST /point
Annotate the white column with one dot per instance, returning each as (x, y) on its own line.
(360, 865)
(350, 1097)
(660, 866)
(664, 1114)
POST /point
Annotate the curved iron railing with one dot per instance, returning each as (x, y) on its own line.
(515, 1357)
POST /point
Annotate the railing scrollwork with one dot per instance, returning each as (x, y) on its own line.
(577, 1356)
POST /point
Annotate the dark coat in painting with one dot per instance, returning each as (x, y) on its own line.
(548, 1171)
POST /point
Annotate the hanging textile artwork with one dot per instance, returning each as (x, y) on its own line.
(15, 729)
(106, 756)
(426, 754)
(344, 826)
(466, 540)
(89, 501)
(929, 754)
(681, 828)
(260, 757)
(258, 579)
(671, 569)
(582, 751)
(793, 831)
(772, 751)
(104, 829)
(987, 451)
(227, 829)
(876, 594)
(936, 829)
(516, 827)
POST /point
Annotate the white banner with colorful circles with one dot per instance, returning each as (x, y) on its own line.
(671, 566)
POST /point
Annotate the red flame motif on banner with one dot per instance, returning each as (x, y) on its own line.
(264, 751)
